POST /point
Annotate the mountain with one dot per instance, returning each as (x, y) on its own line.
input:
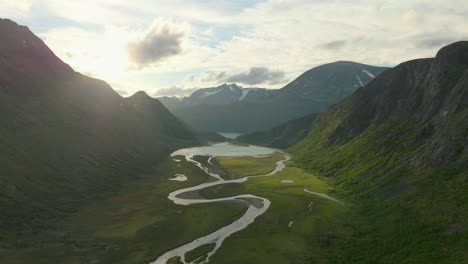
(222, 95)
(398, 147)
(67, 139)
(282, 136)
(231, 108)
(333, 81)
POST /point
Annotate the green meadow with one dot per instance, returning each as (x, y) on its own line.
(238, 167)
(298, 227)
(139, 223)
(135, 226)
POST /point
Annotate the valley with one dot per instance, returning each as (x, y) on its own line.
(139, 223)
(230, 107)
(284, 215)
(343, 163)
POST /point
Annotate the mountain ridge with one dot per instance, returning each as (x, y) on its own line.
(259, 108)
(397, 147)
(67, 139)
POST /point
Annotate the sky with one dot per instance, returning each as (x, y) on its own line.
(171, 47)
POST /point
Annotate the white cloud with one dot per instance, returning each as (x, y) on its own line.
(161, 41)
(15, 8)
(174, 91)
(253, 76)
(291, 36)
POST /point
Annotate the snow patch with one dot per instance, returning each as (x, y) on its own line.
(244, 94)
(359, 79)
(368, 73)
(206, 93)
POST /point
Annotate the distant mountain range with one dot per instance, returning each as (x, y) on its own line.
(398, 146)
(231, 108)
(221, 95)
(67, 139)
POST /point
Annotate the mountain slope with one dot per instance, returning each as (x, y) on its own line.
(67, 139)
(244, 116)
(283, 136)
(398, 147)
(221, 95)
(231, 108)
(333, 81)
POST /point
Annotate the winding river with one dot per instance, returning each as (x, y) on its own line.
(256, 205)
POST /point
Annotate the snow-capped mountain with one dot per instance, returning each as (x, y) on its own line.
(332, 81)
(221, 95)
(230, 107)
(224, 94)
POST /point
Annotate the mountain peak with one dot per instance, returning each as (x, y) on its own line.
(21, 50)
(455, 53)
(344, 62)
(230, 86)
(7, 21)
(333, 80)
(141, 95)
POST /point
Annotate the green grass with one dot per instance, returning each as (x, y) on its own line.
(405, 210)
(270, 239)
(238, 167)
(174, 260)
(137, 225)
(363, 231)
(199, 252)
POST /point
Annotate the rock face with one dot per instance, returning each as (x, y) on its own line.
(429, 93)
(231, 108)
(66, 138)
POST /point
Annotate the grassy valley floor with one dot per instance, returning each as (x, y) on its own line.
(298, 227)
(139, 223)
(301, 228)
(135, 226)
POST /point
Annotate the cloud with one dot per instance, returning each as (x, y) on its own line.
(122, 92)
(224, 40)
(436, 42)
(174, 91)
(334, 45)
(257, 75)
(189, 81)
(15, 8)
(161, 41)
(253, 76)
(211, 76)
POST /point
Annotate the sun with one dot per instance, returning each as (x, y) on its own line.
(97, 54)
